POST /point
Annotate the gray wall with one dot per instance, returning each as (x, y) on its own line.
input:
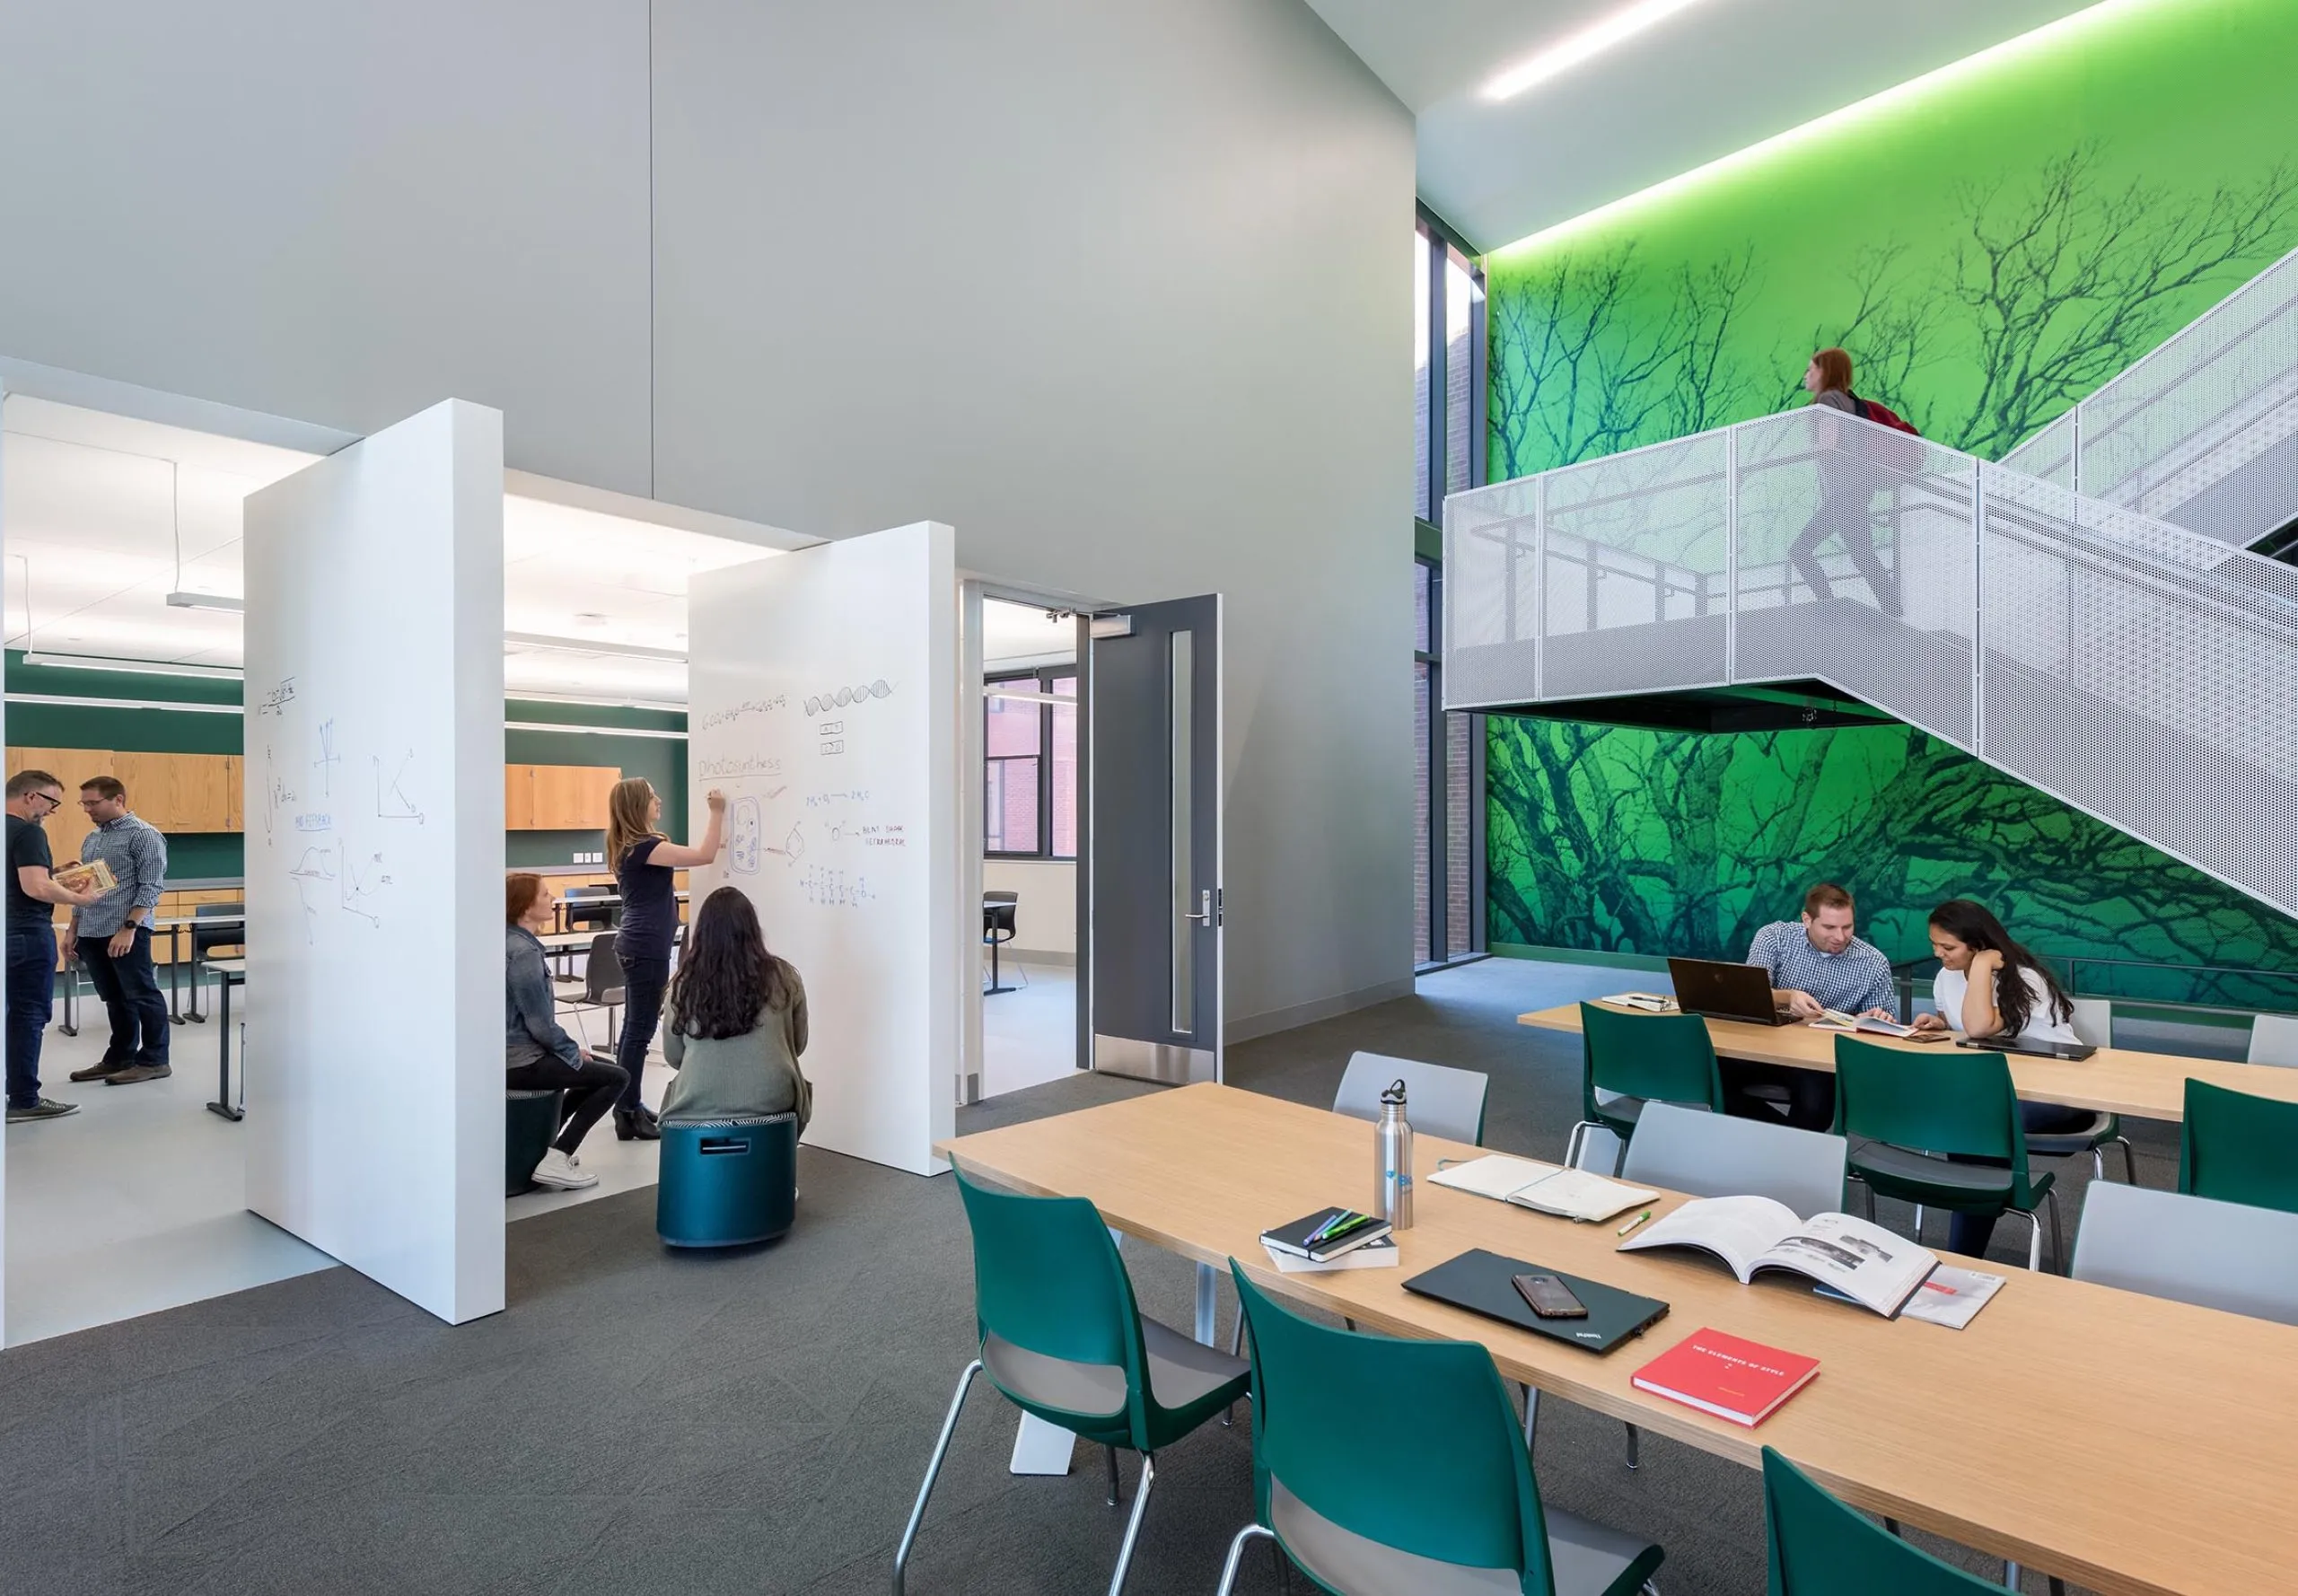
(1121, 291)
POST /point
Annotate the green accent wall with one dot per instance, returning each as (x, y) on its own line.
(191, 731)
(1990, 249)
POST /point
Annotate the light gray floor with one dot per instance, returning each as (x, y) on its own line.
(1029, 1036)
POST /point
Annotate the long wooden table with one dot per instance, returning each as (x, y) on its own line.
(2127, 1443)
(2117, 1080)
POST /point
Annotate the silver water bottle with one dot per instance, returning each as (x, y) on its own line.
(1392, 1161)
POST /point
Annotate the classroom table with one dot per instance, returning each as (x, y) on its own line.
(229, 973)
(174, 924)
(2115, 1080)
(2124, 1443)
(567, 905)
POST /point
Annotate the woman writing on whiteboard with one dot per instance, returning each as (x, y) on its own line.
(737, 1022)
(642, 860)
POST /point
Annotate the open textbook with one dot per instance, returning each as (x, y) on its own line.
(1544, 1188)
(1833, 1019)
(1852, 1257)
(79, 876)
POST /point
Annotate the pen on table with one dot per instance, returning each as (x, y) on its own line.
(1326, 1229)
(1632, 1223)
(1334, 1231)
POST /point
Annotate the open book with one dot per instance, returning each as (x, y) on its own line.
(1856, 1259)
(1650, 1003)
(1834, 1020)
(1544, 1188)
(80, 877)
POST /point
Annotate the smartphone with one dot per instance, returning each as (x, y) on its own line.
(1549, 1297)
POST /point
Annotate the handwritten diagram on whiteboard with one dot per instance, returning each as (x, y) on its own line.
(334, 849)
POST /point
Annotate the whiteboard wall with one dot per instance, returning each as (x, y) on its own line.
(823, 701)
(375, 857)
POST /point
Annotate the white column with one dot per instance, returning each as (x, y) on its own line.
(375, 857)
(823, 701)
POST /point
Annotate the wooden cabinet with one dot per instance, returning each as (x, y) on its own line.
(557, 797)
(182, 793)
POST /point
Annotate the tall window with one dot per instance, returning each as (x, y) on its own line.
(1029, 809)
(1448, 457)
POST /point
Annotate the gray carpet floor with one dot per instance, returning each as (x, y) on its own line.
(644, 1421)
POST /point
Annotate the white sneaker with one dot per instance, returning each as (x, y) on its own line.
(557, 1170)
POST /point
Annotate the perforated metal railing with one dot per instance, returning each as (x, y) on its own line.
(2139, 670)
(2202, 432)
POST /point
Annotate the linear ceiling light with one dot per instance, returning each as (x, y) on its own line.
(593, 646)
(88, 661)
(1590, 41)
(223, 602)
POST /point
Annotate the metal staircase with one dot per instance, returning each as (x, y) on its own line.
(2142, 670)
(2203, 431)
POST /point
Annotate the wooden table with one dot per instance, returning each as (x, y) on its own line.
(2125, 1443)
(2117, 1080)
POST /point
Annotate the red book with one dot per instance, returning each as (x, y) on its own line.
(1741, 1380)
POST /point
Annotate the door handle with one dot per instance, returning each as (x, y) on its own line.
(1204, 915)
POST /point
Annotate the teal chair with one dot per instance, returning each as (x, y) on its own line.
(2237, 1148)
(1061, 1338)
(530, 1119)
(1820, 1548)
(1389, 1466)
(1911, 1105)
(727, 1183)
(1662, 1058)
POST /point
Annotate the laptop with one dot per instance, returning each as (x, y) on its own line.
(1483, 1283)
(1726, 991)
(2075, 1051)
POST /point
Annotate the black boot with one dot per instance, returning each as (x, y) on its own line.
(634, 1126)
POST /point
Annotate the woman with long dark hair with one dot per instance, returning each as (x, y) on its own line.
(1989, 985)
(736, 1022)
(643, 861)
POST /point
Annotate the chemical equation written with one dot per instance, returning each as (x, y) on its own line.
(275, 701)
(747, 706)
(871, 836)
(836, 889)
(824, 800)
(730, 766)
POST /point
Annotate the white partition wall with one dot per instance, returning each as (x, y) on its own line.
(823, 701)
(375, 857)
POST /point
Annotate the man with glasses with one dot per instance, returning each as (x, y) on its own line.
(113, 935)
(33, 893)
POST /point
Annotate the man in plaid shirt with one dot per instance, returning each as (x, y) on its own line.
(113, 936)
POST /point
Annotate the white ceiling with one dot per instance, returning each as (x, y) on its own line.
(1707, 81)
(105, 515)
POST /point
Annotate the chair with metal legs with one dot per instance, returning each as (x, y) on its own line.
(1941, 1131)
(1061, 1338)
(2093, 1023)
(1388, 1465)
(1642, 1058)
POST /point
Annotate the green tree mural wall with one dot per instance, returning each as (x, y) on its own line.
(1990, 249)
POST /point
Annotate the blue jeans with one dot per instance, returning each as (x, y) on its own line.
(644, 981)
(132, 998)
(31, 999)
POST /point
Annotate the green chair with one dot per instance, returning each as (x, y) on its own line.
(1061, 1338)
(2236, 1148)
(1911, 1107)
(1820, 1548)
(1664, 1059)
(1383, 1466)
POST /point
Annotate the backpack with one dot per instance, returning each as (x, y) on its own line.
(1869, 410)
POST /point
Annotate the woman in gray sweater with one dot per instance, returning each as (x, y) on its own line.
(736, 1022)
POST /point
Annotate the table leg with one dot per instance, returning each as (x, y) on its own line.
(1205, 1279)
(71, 1026)
(175, 979)
(222, 1103)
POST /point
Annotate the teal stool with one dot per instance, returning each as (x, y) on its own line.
(727, 1183)
(530, 1119)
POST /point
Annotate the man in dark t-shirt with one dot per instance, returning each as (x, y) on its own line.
(33, 894)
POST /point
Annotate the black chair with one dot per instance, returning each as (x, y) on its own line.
(206, 939)
(582, 914)
(601, 984)
(997, 912)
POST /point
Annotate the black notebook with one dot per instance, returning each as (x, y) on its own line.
(1346, 1237)
(1484, 1283)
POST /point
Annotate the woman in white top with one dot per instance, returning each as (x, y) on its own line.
(1975, 955)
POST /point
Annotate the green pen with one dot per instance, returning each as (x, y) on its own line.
(1632, 1223)
(1334, 1232)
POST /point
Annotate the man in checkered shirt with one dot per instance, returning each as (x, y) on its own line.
(1817, 964)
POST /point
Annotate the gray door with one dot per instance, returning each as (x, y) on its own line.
(1154, 798)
